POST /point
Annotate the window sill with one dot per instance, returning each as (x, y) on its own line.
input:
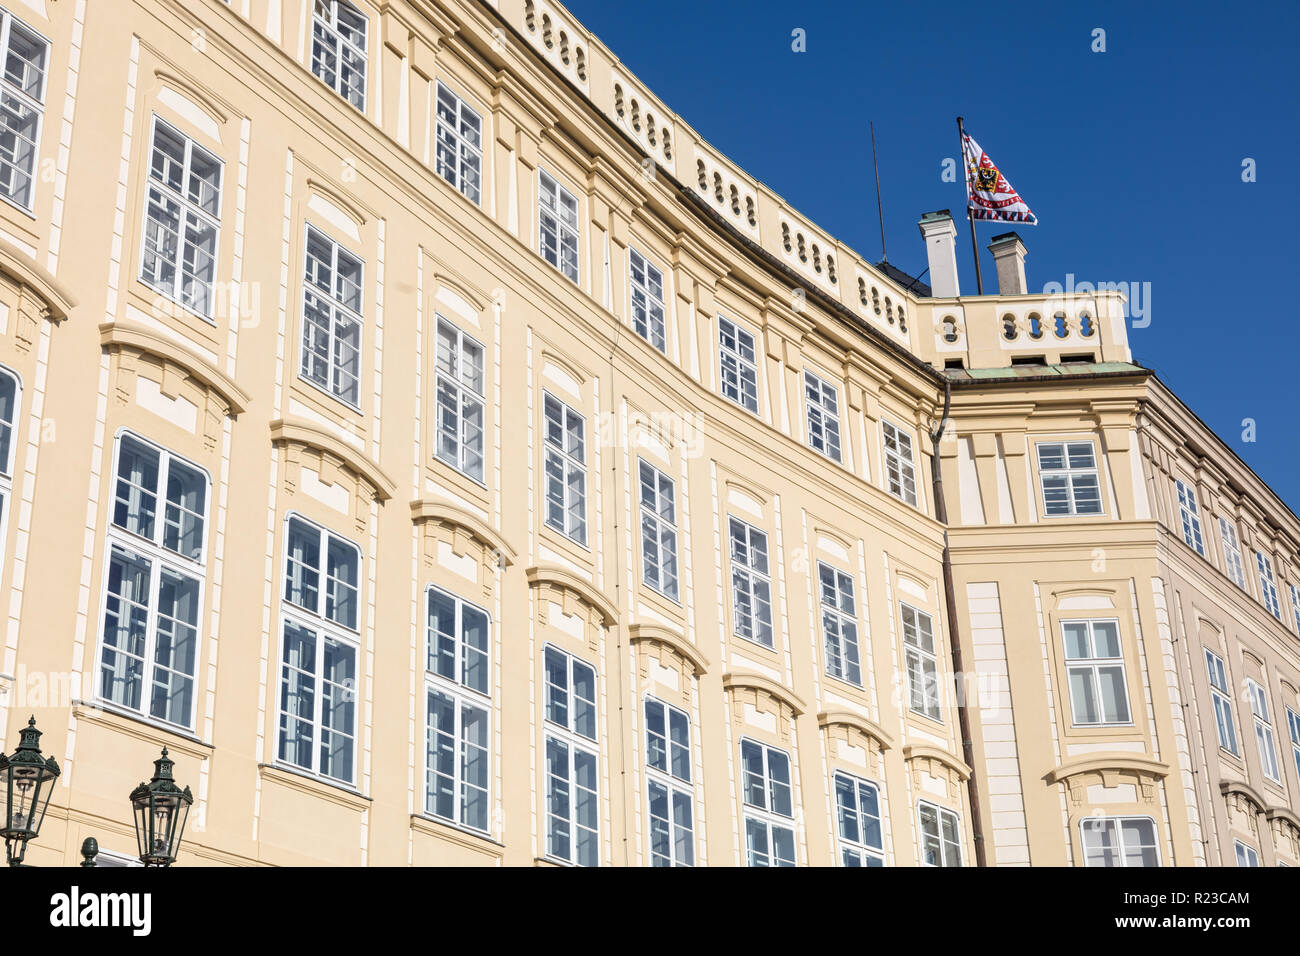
(462, 836)
(333, 791)
(142, 728)
(180, 310)
(29, 213)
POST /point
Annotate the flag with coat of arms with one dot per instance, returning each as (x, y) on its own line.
(989, 195)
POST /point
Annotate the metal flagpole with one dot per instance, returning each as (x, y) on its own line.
(961, 138)
(884, 256)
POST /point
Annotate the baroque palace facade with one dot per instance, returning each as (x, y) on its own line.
(479, 468)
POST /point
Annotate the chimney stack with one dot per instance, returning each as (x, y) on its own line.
(1009, 255)
(941, 250)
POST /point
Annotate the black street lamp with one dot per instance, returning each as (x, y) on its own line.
(161, 809)
(28, 780)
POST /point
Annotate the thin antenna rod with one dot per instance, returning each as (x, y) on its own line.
(880, 208)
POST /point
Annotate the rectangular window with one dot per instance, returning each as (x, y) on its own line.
(1222, 702)
(331, 318)
(1263, 730)
(658, 530)
(1267, 586)
(558, 219)
(572, 775)
(751, 586)
(647, 301)
(940, 836)
(823, 415)
(1094, 665)
(922, 662)
(154, 583)
(1295, 600)
(460, 144)
(900, 470)
(460, 400)
(1191, 516)
(1293, 724)
(839, 624)
(1232, 553)
(669, 790)
(10, 393)
(22, 104)
(769, 805)
(1119, 841)
(456, 686)
(738, 361)
(338, 49)
(182, 219)
(1068, 471)
(1246, 855)
(318, 677)
(858, 812)
(566, 469)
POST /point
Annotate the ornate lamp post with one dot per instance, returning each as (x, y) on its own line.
(28, 780)
(161, 809)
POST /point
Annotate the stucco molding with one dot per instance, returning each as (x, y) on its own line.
(444, 512)
(293, 431)
(58, 301)
(742, 680)
(1110, 770)
(852, 724)
(658, 634)
(563, 579)
(936, 755)
(141, 338)
(1282, 813)
(1239, 790)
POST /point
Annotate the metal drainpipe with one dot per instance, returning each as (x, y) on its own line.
(954, 641)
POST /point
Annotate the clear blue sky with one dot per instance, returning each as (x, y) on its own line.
(1131, 158)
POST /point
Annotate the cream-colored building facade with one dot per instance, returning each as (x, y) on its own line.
(421, 431)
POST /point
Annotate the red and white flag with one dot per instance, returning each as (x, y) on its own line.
(989, 195)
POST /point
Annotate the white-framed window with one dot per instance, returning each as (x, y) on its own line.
(823, 403)
(922, 662)
(1267, 585)
(182, 219)
(738, 363)
(331, 318)
(154, 582)
(459, 156)
(1295, 606)
(338, 49)
(769, 805)
(751, 584)
(460, 400)
(25, 54)
(1232, 553)
(900, 464)
(857, 806)
(839, 623)
(1293, 727)
(1222, 697)
(669, 792)
(1191, 516)
(1263, 730)
(1068, 473)
(572, 760)
(647, 292)
(658, 530)
(1246, 855)
(566, 469)
(1094, 665)
(11, 391)
(456, 683)
(558, 221)
(940, 835)
(1119, 841)
(318, 663)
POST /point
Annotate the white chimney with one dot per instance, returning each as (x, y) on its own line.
(941, 250)
(1009, 254)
